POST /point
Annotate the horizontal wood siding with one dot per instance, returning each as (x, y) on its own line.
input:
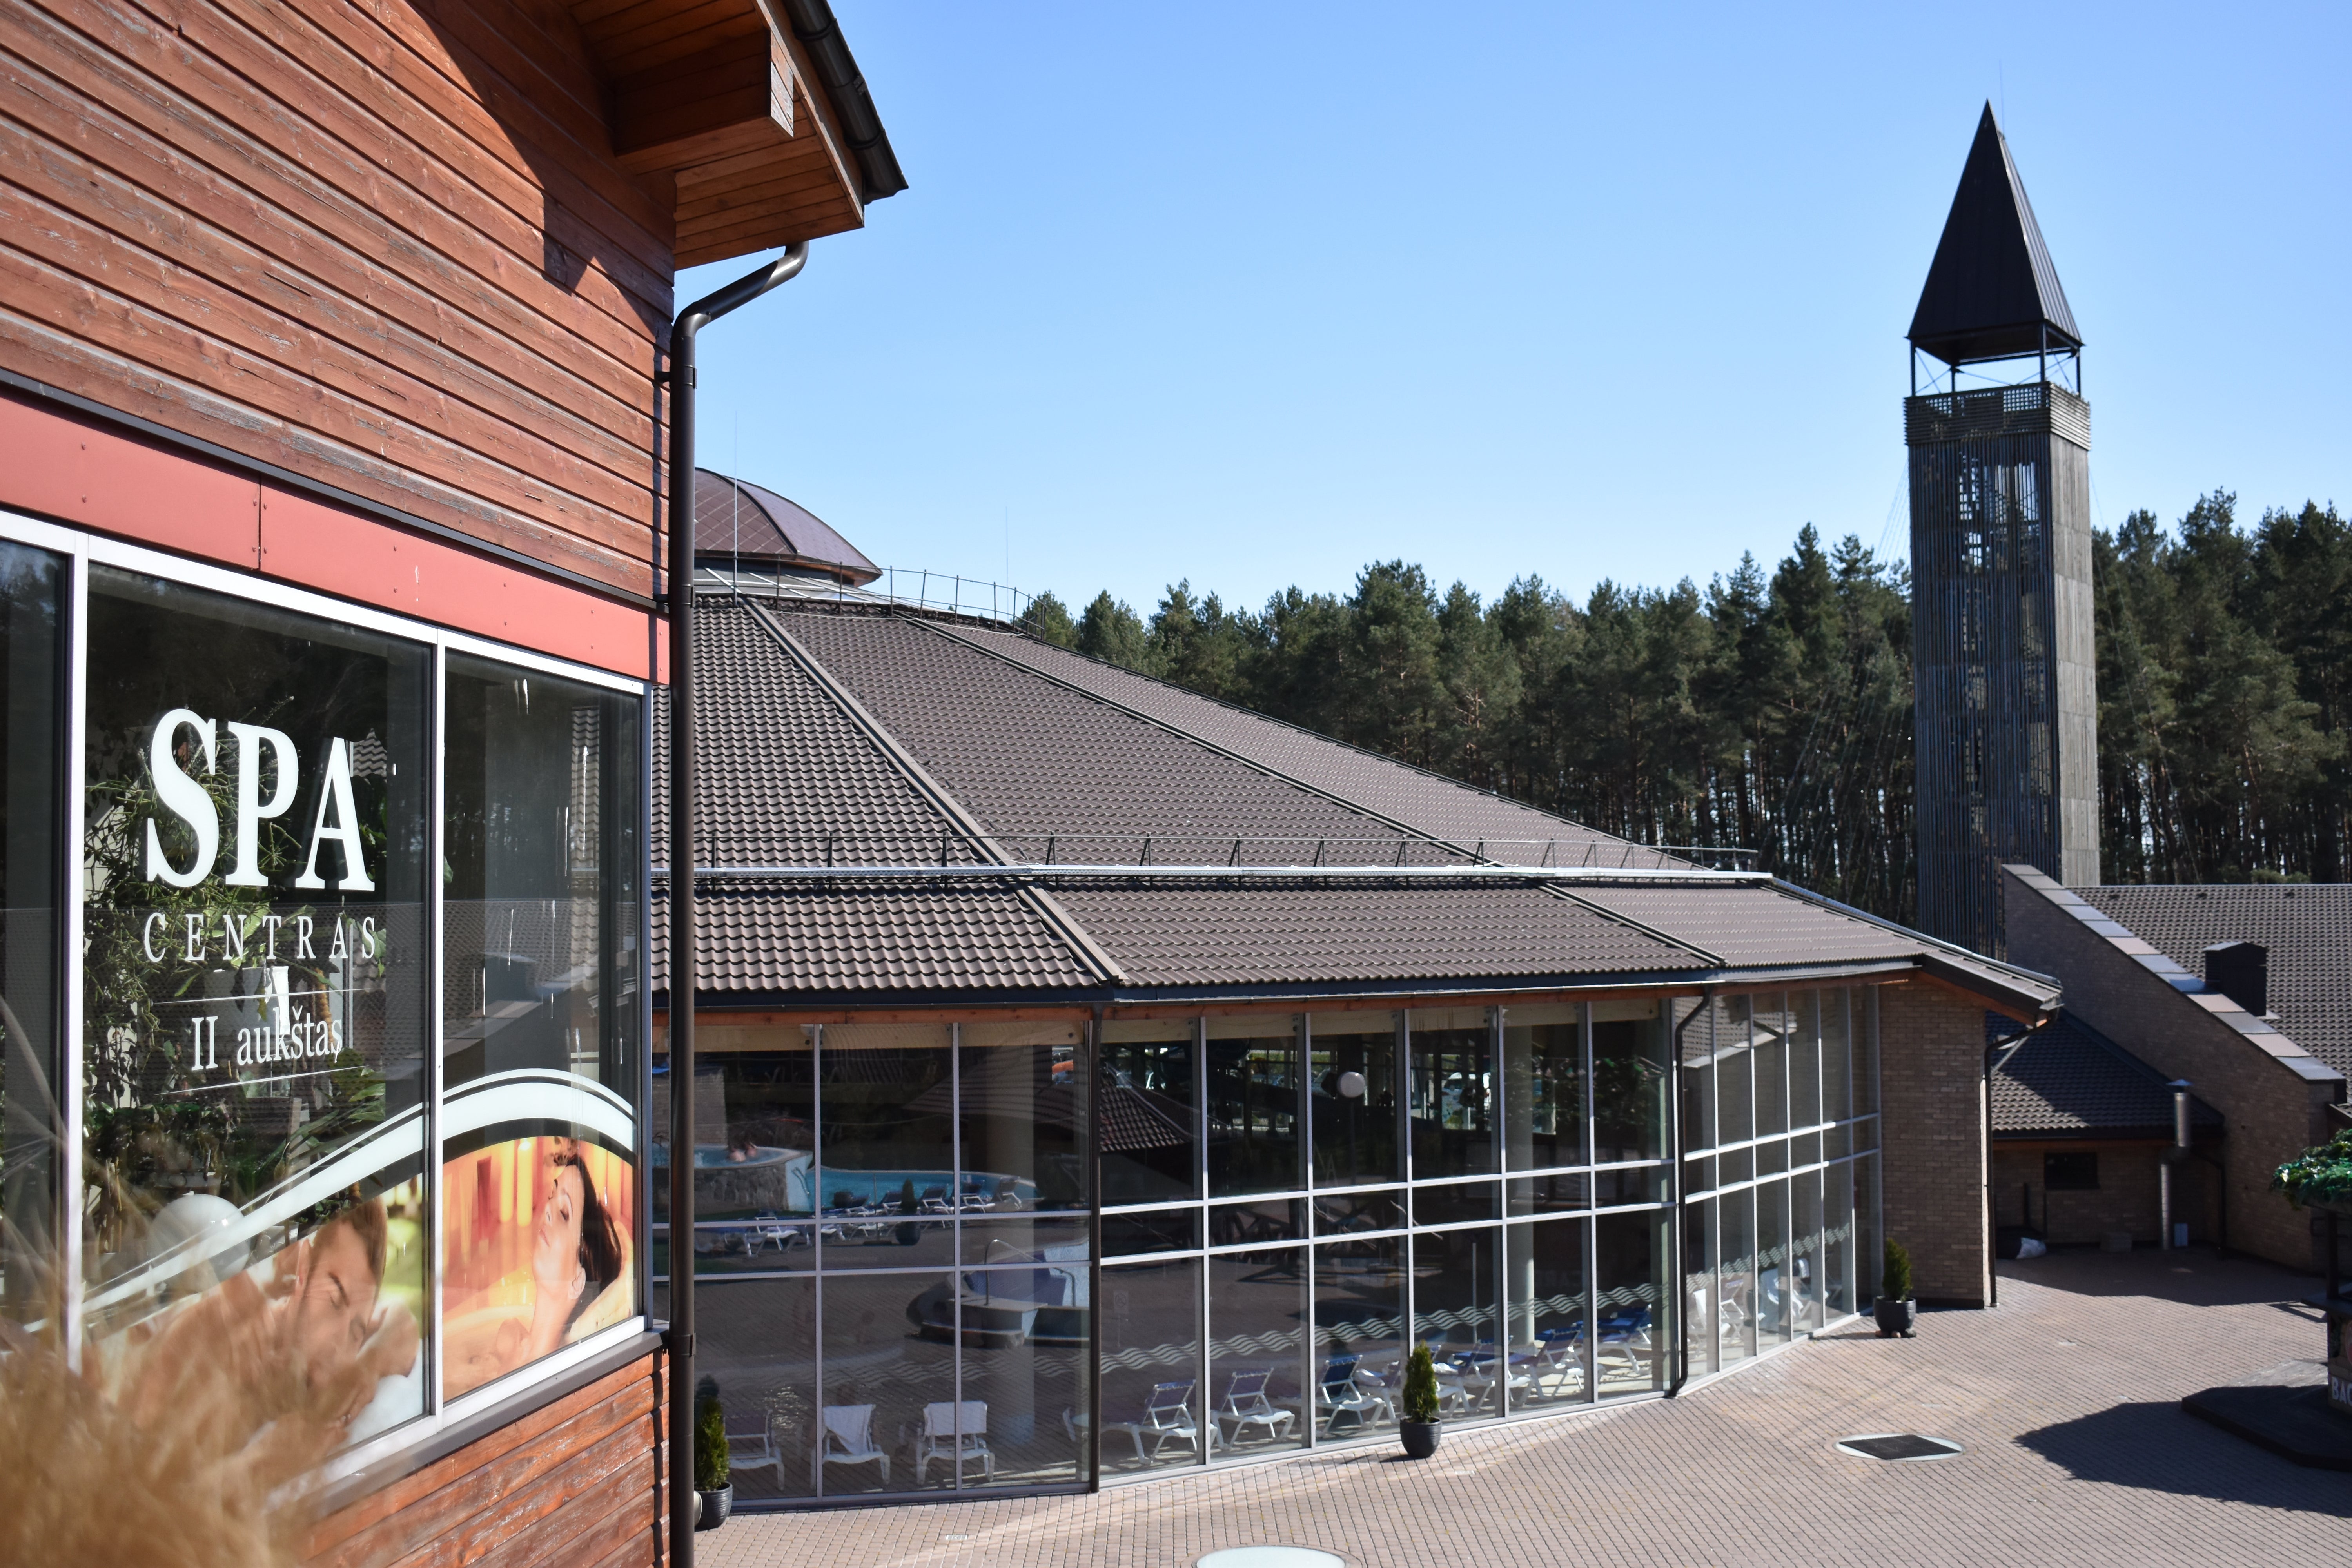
(381, 244)
(575, 1482)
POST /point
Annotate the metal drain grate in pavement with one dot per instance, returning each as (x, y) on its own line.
(1898, 1445)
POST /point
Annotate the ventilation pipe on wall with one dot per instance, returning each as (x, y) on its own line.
(2173, 1157)
(679, 379)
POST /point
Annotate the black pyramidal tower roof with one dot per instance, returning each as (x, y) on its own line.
(1992, 289)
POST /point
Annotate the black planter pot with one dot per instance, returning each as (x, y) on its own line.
(1419, 1437)
(711, 1508)
(1896, 1318)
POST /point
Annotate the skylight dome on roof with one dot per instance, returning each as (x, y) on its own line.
(735, 520)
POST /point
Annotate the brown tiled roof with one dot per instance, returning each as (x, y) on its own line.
(762, 940)
(847, 737)
(2068, 1078)
(1424, 802)
(1755, 927)
(2307, 927)
(1300, 935)
(1046, 767)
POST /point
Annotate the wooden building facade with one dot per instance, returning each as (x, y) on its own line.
(334, 331)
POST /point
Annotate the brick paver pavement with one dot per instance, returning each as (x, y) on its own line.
(2065, 1397)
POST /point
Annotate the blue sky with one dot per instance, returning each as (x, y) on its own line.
(1255, 295)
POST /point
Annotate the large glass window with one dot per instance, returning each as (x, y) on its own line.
(1024, 1183)
(1543, 1088)
(1631, 1327)
(1359, 1335)
(1155, 1415)
(1148, 1112)
(32, 743)
(1457, 1313)
(1630, 1081)
(1550, 1340)
(1258, 1349)
(885, 1185)
(540, 991)
(756, 1348)
(1351, 1096)
(1254, 1105)
(1452, 1091)
(255, 1016)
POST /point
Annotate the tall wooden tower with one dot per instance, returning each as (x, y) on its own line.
(2001, 562)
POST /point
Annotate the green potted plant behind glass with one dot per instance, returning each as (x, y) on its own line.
(1420, 1426)
(1896, 1312)
(714, 1492)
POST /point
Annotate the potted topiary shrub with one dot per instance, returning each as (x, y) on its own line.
(1420, 1426)
(714, 1492)
(1896, 1312)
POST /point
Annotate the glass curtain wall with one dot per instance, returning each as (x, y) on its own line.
(1493, 1182)
(1779, 1109)
(892, 1250)
(893, 1227)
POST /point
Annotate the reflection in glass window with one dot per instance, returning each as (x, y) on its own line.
(32, 740)
(1153, 1230)
(1630, 1326)
(898, 1386)
(1550, 1338)
(1253, 1093)
(255, 1014)
(1695, 1031)
(1805, 1057)
(1837, 1241)
(1769, 1031)
(1543, 1088)
(1735, 1102)
(1155, 1415)
(1736, 1274)
(1257, 1341)
(1148, 1125)
(886, 1185)
(757, 1342)
(755, 1177)
(1455, 1312)
(1837, 1064)
(1359, 1336)
(1630, 1081)
(1709, 1323)
(1351, 1098)
(1451, 1090)
(540, 991)
(1337, 1213)
(1867, 1256)
(1024, 1108)
(1025, 1364)
(1808, 1299)
(1775, 1278)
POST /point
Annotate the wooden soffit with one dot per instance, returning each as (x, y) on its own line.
(715, 99)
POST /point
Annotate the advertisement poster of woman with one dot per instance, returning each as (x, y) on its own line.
(537, 1254)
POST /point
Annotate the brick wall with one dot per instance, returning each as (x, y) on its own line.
(2273, 1100)
(1931, 1115)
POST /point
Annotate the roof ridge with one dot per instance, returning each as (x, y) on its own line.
(1065, 925)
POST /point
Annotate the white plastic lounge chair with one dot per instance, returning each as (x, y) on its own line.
(955, 1433)
(1166, 1417)
(751, 1442)
(846, 1438)
(1247, 1408)
(1339, 1394)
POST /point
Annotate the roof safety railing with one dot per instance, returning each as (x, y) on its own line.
(1156, 854)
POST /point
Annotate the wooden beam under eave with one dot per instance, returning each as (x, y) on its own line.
(745, 203)
(735, 99)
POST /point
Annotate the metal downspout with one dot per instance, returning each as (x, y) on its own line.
(679, 379)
